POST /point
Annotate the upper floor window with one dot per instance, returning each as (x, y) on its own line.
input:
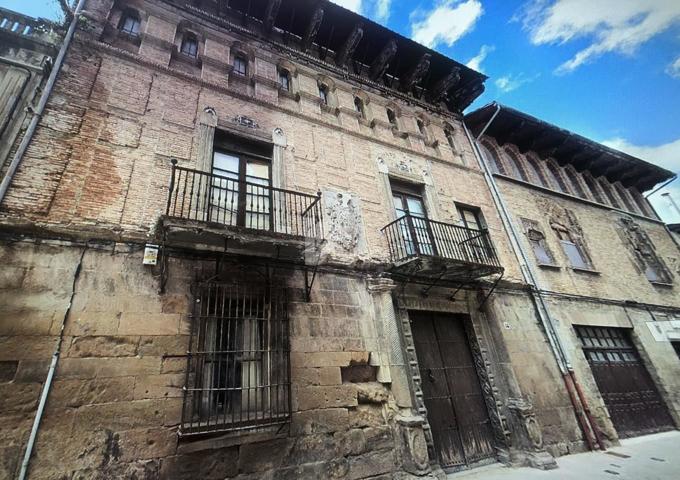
(535, 168)
(359, 107)
(492, 159)
(240, 65)
(609, 193)
(129, 23)
(540, 247)
(392, 117)
(623, 193)
(323, 93)
(421, 127)
(448, 133)
(284, 79)
(556, 177)
(470, 217)
(189, 45)
(516, 166)
(572, 176)
(592, 187)
(572, 250)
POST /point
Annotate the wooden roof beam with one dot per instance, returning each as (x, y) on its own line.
(350, 45)
(270, 14)
(416, 74)
(312, 29)
(510, 133)
(383, 60)
(443, 85)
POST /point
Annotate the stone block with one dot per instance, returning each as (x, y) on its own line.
(122, 415)
(379, 438)
(313, 448)
(352, 441)
(107, 367)
(372, 393)
(149, 324)
(371, 464)
(174, 365)
(311, 398)
(320, 421)
(32, 370)
(26, 347)
(209, 465)
(260, 457)
(162, 345)
(8, 370)
(159, 386)
(92, 323)
(316, 376)
(141, 444)
(75, 393)
(19, 397)
(366, 416)
(103, 346)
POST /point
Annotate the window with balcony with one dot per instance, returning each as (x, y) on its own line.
(408, 203)
(130, 23)
(238, 359)
(189, 46)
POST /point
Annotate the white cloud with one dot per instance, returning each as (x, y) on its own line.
(508, 83)
(673, 69)
(667, 156)
(382, 10)
(608, 25)
(353, 5)
(446, 23)
(475, 62)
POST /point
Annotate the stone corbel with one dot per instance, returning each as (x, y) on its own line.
(527, 434)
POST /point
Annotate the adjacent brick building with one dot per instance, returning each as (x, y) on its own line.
(257, 241)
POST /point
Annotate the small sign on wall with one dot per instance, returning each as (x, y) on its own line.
(150, 254)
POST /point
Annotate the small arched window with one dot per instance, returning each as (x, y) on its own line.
(130, 23)
(448, 133)
(284, 79)
(492, 159)
(392, 117)
(189, 45)
(359, 107)
(572, 176)
(240, 64)
(609, 193)
(592, 187)
(536, 171)
(421, 127)
(641, 202)
(623, 194)
(515, 164)
(323, 93)
(556, 177)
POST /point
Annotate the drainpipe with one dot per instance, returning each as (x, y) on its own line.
(50, 373)
(49, 85)
(583, 415)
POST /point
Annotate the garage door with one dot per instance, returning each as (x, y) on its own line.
(628, 390)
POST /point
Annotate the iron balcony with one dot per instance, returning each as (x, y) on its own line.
(212, 209)
(423, 247)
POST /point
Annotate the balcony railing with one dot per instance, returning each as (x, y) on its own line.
(225, 201)
(411, 236)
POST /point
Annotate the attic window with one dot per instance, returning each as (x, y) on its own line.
(392, 117)
(240, 65)
(189, 45)
(130, 23)
(323, 93)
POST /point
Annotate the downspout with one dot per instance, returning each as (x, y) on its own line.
(50, 373)
(49, 85)
(587, 424)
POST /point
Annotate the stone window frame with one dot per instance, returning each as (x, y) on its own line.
(643, 252)
(596, 193)
(393, 120)
(327, 84)
(187, 29)
(367, 116)
(536, 237)
(609, 192)
(125, 13)
(424, 125)
(536, 168)
(557, 182)
(293, 80)
(574, 179)
(626, 197)
(449, 134)
(209, 122)
(239, 49)
(642, 203)
(566, 236)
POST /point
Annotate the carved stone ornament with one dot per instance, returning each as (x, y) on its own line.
(344, 221)
(412, 445)
(524, 410)
(244, 121)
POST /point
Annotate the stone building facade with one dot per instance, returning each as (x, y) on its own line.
(256, 240)
(27, 49)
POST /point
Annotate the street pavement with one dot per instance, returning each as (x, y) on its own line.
(651, 457)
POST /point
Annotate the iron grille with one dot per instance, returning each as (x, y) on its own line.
(606, 345)
(411, 236)
(212, 198)
(238, 372)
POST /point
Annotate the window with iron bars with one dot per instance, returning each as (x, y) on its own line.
(238, 373)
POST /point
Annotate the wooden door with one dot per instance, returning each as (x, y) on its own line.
(453, 396)
(628, 390)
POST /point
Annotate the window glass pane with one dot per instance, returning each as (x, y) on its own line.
(415, 206)
(574, 254)
(130, 25)
(398, 205)
(470, 219)
(283, 79)
(652, 274)
(225, 164)
(257, 171)
(540, 252)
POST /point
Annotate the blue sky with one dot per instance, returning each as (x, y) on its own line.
(607, 69)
